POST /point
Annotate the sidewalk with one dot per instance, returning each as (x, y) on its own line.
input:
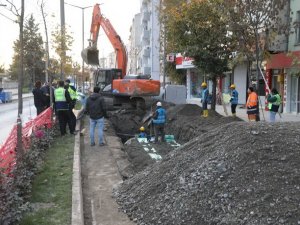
(100, 172)
(27, 95)
(242, 113)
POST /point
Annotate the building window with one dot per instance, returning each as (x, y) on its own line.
(298, 28)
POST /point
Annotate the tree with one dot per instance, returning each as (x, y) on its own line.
(198, 29)
(60, 49)
(2, 69)
(169, 69)
(33, 53)
(20, 14)
(251, 20)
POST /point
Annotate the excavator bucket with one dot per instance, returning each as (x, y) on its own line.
(90, 56)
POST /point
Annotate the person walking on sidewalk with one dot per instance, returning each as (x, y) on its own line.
(62, 99)
(274, 101)
(204, 99)
(252, 105)
(73, 94)
(95, 107)
(159, 120)
(39, 98)
(234, 100)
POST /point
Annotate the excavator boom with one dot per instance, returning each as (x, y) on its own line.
(114, 82)
(91, 54)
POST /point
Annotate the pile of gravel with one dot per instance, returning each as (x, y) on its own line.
(238, 173)
(185, 121)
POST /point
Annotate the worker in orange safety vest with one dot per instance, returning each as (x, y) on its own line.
(252, 105)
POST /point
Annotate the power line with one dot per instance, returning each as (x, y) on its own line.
(8, 18)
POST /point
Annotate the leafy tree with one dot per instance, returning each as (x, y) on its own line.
(2, 69)
(176, 76)
(33, 53)
(251, 21)
(198, 29)
(62, 44)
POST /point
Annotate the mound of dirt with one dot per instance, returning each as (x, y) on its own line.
(238, 173)
(185, 122)
(126, 122)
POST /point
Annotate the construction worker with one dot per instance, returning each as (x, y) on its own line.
(234, 99)
(252, 105)
(96, 108)
(204, 99)
(62, 100)
(159, 120)
(274, 101)
(142, 133)
(73, 94)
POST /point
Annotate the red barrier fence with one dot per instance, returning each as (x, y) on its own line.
(8, 150)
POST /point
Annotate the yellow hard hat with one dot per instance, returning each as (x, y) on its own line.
(142, 128)
(232, 86)
(204, 84)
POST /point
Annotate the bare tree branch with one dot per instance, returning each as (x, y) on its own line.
(13, 6)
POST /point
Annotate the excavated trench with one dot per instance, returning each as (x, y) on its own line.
(183, 121)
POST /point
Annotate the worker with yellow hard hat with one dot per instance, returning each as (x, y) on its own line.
(234, 99)
(142, 133)
(204, 99)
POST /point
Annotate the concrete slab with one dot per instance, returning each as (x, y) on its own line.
(100, 175)
(77, 199)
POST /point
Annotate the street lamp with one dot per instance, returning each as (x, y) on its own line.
(82, 8)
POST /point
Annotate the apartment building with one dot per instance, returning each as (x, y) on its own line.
(144, 49)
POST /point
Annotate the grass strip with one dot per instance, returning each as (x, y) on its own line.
(51, 197)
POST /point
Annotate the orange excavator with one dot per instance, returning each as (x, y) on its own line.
(114, 82)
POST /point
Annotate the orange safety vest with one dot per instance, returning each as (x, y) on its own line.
(252, 100)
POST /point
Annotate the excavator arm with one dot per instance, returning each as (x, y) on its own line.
(91, 54)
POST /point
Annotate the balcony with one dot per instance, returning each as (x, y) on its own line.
(146, 35)
(146, 51)
(145, 16)
(146, 70)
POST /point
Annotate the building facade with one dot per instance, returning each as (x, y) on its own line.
(283, 68)
(145, 40)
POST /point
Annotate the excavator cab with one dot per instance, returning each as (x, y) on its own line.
(104, 78)
(90, 56)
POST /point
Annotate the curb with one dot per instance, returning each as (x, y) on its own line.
(77, 199)
(115, 147)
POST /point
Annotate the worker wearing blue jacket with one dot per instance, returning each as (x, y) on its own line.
(204, 99)
(159, 120)
(234, 100)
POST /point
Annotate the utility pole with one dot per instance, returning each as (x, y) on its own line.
(62, 25)
(82, 69)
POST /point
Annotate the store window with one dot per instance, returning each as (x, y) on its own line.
(297, 28)
(196, 80)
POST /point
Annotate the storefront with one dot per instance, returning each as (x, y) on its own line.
(194, 78)
(283, 73)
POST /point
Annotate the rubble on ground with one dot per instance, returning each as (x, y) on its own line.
(183, 121)
(237, 173)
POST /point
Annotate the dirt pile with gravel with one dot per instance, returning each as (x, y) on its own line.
(185, 121)
(238, 173)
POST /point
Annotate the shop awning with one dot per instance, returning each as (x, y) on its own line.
(284, 60)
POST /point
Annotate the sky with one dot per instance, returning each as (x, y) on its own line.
(119, 12)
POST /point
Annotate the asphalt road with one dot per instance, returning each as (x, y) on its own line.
(8, 116)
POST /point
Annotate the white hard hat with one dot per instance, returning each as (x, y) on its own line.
(158, 104)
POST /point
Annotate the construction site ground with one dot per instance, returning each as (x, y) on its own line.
(226, 171)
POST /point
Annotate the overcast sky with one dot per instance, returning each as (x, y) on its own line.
(119, 12)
